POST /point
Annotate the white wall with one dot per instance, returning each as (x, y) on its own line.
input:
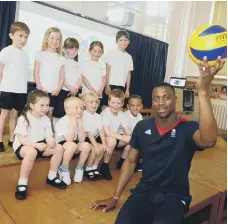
(186, 17)
(94, 9)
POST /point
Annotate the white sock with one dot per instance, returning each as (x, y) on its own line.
(52, 175)
(22, 181)
(95, 167)
(89, 168)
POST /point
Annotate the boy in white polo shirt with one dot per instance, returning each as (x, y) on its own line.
(119, 65)
(13, 79)
(69, 133)
(95, 135)
(132, 117)
(112, 120)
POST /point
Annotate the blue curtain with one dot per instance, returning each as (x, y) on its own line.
(149, 57)
(7, 16)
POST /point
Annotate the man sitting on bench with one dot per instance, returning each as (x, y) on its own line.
(167, 144)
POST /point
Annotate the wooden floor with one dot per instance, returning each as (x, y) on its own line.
(47, 205)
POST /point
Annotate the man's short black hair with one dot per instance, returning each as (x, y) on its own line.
(165, 84)
(121, 33)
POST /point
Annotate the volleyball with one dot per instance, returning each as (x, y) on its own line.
(209, 40)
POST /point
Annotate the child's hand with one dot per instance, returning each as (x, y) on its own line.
(41, 146)
(55, 92)
(99, 93)
(98, 151)
(51, 143)
(41, 88)
(106, 149)
(73, 90)
(127, 93)
(74, 119)
(107, 90)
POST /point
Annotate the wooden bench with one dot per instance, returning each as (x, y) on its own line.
(209, 167)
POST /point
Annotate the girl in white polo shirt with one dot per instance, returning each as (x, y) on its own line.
(34, 139)
(94, 72)
(49, 66)
(73, 75)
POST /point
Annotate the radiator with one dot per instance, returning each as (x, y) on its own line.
(220, 112)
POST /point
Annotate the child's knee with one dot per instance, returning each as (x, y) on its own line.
(31, 153)
(13, 114)
(85, 147)
(70, 146)
(111, 142)
(58, 149)
(4, 114)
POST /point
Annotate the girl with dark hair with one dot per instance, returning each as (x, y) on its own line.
(73, 74)
(34, 139)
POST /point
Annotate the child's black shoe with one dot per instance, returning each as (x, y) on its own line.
(57, 183)
(21, 194)
(90, 175)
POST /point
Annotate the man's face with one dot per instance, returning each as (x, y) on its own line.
(164, 101)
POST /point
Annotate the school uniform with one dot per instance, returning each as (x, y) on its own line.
(92, 123)
(50, 64)
(132, 120)
(163, 191)
(37, 130)
(115, 123)
(94, 71)
(121, 63)
(61, 128)
(13, 86)
(73, 71)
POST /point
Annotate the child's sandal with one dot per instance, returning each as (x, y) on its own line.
(21, 194)
(56, 182)
(90, 175)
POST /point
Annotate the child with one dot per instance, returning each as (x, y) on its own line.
(119, 65)
(95, 135)
(49, 67)
(132, 117)
(13, 79)
(34, 139)
(94, 72)
(73, 74)
(112, 121)
(69, 132)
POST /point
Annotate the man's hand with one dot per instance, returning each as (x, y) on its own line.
(207, 74)
(108, 204)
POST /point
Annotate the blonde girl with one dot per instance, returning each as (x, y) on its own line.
(94, 72)
(49, 67)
